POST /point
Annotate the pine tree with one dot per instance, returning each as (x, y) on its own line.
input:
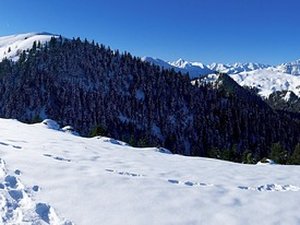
(278, 153)
(295, 157)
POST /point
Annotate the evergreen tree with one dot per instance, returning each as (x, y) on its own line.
(278, 153)
(295, 157)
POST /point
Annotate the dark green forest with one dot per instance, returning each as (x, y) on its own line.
(99, 91)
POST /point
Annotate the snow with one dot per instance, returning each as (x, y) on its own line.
(290, 68)
(266, 78)
(51, 177)
(18, 43)
(237, 67)
(195, 69)
(157, 62)
(287, 97)
(268, 81)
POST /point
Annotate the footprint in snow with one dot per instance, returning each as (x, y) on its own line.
(11, 181)
(57, 158)
(5, 144)
(13, 207)
(14, 146)
(188, 183)
(271, 188)
(36, 188)
(125, 173)
(17, 172)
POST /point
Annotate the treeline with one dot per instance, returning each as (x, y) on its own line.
(101, 91)
(278, 154)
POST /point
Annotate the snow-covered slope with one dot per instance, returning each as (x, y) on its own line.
(47, 175)
(237, 67)
(290, 68)
(12, 46)
(157, 62)
(195, 69)
(268, 81)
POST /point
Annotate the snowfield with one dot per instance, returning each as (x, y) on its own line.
(12, 46)
(48, 176)
(268, 81)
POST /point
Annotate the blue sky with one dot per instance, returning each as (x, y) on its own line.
(266, 31)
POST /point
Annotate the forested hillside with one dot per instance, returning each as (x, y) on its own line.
(100, 91)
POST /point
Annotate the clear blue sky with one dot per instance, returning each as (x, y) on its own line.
(266, 31)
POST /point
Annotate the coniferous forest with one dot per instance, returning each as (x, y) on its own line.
(99, 91)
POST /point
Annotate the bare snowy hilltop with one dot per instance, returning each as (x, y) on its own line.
(50, 176)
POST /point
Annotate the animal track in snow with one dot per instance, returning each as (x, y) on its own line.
(271, 188)
(57, 158)
(189, 183)
(125, 173)
(17, 206)
(14, 146)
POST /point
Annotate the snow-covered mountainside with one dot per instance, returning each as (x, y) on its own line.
(268, 81)
(195, 69)
(11, 46)
(48, 176)
(158, 62)
(290, 68)
(237, 67)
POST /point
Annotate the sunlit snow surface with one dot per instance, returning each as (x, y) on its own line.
(12, 46)
(52, 177)
(269, 81)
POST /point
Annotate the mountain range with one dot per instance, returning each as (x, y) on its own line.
(266, 79)
(104, 92)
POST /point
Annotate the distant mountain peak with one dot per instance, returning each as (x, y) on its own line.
(180, 63)
(291, 67)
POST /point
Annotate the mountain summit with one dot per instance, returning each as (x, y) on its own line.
(12, 46)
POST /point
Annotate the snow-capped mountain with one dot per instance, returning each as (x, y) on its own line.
(237, 67)
(11, 46)
(195, 69)
(158, 62)
(47, 175)
(265, 81)
(219, 67)
(265, 78)
(268, 81)
(290, 68)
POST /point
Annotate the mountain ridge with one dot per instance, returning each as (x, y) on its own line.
(102, 92)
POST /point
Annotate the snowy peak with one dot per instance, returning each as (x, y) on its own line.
(268, 81)
(180, 63)
(219, 67)
(157, 62)
(194, 69)
(290, 68)
(11, 46)
(237, 67)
